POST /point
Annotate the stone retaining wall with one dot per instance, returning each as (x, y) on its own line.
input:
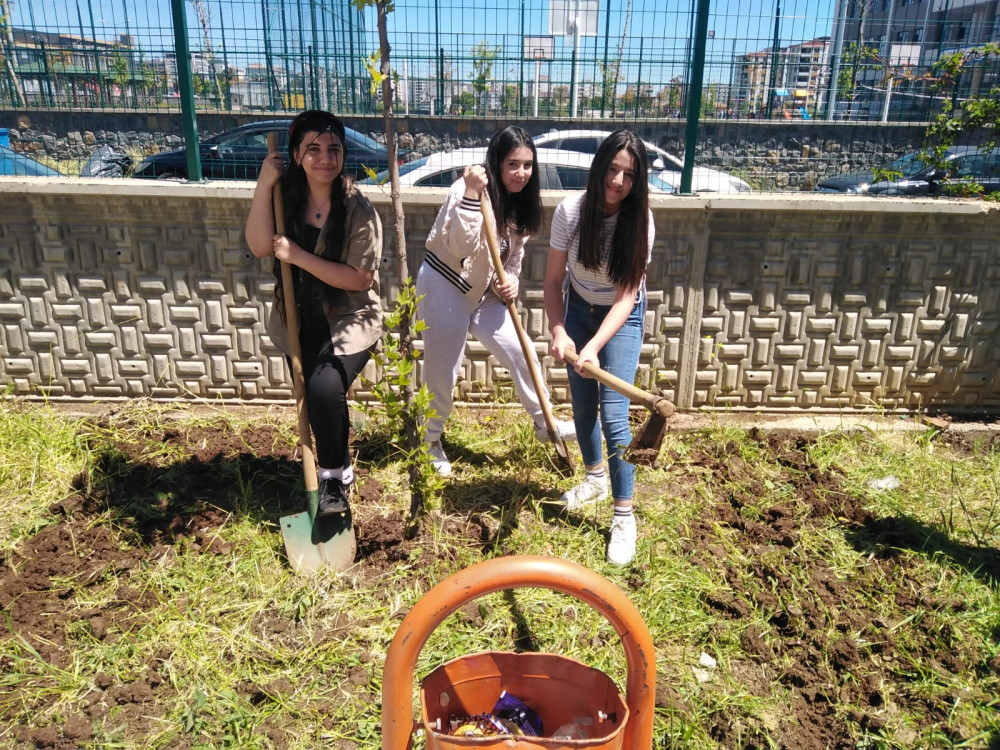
(125, 289)
(771, 155)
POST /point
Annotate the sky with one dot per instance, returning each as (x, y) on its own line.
(656, 42)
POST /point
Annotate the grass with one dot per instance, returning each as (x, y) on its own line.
(837, 615)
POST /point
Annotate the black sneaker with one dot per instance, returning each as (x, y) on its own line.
(332, 498)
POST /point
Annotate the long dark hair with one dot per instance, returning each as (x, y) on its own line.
(295, 190)
(629, 245)
(521, 210)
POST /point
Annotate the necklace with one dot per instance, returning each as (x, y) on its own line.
(317, 209)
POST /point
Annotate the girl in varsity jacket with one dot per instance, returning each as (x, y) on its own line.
(459, 289)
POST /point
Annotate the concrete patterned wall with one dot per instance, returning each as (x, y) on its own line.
(121, 289)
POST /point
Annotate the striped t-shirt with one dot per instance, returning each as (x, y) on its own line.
(594, 286)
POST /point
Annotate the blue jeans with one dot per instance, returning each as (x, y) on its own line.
(620, 356)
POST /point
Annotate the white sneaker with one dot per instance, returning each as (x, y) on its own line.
(439, 460)
(565, 427)
(621, 547)
(588, 492)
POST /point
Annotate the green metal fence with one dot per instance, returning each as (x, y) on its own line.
(584, 60)
(575, 58)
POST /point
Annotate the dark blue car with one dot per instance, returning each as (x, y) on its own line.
(236, 154)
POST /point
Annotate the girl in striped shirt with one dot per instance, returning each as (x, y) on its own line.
(595, 298)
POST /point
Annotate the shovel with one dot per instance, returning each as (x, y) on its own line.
(311, 542)
(565, 465)
(645, 445)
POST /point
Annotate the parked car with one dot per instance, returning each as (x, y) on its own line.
(973, 168)
(13, 164)
(557, 170)
(667, 166)
(236, 154)
(911, 168)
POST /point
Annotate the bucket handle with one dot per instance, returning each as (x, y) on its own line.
(526, 571)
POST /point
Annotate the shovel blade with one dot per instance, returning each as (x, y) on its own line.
(645, 446)
(326, 542)
(564, 465)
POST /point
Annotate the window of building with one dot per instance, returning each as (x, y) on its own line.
(902, 36)
(918, 35)
(961, 29)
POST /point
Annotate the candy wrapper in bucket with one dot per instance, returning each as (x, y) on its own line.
(514, 710)
(483, 725)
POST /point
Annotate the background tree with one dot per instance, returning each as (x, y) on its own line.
(558, 97)
(628, 99)
(464, 103)
(7, 53)
(978, 113)
(668, 99)
(621, 52)
(857, 58)
(509, 100)
(483, 56)
(121, 72)
(205, 23)
(609, 80)
(708, 100)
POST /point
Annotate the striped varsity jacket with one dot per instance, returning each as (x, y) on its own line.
(457, 249)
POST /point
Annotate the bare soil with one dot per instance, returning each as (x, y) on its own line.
(822, 667)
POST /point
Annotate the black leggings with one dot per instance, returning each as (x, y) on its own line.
(328, 378)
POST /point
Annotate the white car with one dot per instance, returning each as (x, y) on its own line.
(665, 165)
(557, 170)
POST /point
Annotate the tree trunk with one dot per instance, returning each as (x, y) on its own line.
(406, 328)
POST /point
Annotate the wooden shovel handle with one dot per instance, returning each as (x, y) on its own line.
(536, 379)
(660, 405)
(489, 222)
(309, 475)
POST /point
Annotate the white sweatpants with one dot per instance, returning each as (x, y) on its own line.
(450, 316)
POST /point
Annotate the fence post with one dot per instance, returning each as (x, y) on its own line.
(314, 59)
(268, 62)
(227, 97)
(520, 80)
(771, 95)
(440, 60)
(638, 78)
(840, 21)
(353, 60)
(604, 70)
(441, 81)
(186, 90)
(694, 94)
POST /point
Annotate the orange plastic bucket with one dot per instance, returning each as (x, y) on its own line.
(561, 690)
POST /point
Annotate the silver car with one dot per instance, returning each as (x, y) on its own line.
(557, 170)
(663, 164)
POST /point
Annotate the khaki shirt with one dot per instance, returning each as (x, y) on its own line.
(355, 317)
